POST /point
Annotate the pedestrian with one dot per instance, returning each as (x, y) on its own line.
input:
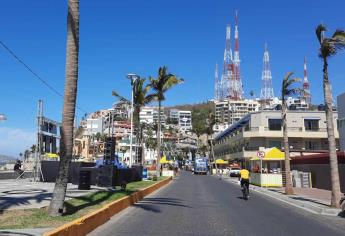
(17, 168)
(220, 174)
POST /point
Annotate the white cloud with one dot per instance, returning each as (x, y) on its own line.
(14, 141)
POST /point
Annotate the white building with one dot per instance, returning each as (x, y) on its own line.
(341, 120)
(185, 120)
(229, 112)
(149, 115)
(174, 116)
(297, 103)
(94, 126)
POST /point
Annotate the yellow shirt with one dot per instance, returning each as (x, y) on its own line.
(244, 174)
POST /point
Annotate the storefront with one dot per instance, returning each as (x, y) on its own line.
(167, 166)
(219, 164)
(266, 168)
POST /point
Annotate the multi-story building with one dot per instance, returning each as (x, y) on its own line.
(185, 120)
(149, 115)
(174, 116)
(94, 126)
(341, 120)
(229, 112)
(297, 103)
(263, 129)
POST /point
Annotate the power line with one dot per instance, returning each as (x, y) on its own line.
(34, 73)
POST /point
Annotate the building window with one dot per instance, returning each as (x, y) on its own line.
(274, 124)
(274, 143)
(311, 125)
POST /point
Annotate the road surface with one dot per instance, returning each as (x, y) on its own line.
(204, 205)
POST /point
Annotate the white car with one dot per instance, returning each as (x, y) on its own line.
(234, 172)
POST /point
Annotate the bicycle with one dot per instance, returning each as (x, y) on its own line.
(245, 192)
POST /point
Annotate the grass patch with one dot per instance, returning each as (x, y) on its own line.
(75, 208)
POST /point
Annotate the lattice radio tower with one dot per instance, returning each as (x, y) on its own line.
(225, 83)
(306, 85)
(236, 92)
(266, 79)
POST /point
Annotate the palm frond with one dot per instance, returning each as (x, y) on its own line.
(287, 89)
(292, 81)
(339, 35)
(121, 98)
(294, 91)
(319, 31)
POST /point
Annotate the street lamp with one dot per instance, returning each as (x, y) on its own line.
(3, 117)
(132, 78)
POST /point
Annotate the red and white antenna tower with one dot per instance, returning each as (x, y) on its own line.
(306, 86)
(227, 73)
(236, 82)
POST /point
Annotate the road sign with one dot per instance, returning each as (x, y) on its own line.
(260, 154)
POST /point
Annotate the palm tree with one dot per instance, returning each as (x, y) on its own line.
(160, 85)
(140, 99)
(68, 115)
(329, 47)
(288, 90)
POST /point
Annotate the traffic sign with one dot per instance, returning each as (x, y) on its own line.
(260, 154)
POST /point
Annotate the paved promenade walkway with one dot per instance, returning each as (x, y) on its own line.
(23, 194)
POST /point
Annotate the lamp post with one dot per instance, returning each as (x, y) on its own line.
(132, 78)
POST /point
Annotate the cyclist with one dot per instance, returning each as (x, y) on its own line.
(244, 177)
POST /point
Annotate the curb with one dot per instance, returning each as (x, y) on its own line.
(305, 206)
(91, 221)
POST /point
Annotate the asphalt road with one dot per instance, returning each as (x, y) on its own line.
(204, 205)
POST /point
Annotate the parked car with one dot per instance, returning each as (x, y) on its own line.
(234, 172)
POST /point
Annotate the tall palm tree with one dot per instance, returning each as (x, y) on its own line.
(68, 115)
(140, 99)
(288, 90)
(329, 47)
(160, 85)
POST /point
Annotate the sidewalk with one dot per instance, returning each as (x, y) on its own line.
(310, 199)
(23, 194)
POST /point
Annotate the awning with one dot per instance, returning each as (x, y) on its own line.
(271, 154)
(165, 161)
(52, 155)
(221, 161)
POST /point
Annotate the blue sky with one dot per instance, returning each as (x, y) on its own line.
(118, 37)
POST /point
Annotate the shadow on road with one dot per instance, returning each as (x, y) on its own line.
(245, 199)
(152, 204)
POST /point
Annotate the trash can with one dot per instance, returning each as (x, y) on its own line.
(84, 180)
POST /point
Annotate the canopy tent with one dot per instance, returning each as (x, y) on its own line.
(165, 161)
(221, 161)
(271, 154)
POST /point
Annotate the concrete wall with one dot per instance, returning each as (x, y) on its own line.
(320, 174)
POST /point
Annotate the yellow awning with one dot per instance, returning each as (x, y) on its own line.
(165, 161)
(221, 161)
(271, 154)
(52, 155)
